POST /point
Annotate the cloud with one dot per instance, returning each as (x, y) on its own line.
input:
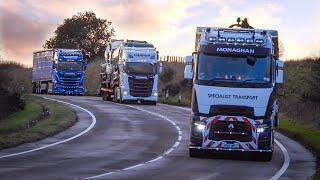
(168, 24)
(20, 36)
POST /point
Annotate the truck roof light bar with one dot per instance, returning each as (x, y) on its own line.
(240, 40)
(212, 39)
(237, 31)
(231, 40)
(259, 41)
(249, 41)
(222, 39)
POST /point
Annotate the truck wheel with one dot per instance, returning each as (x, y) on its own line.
(276, 120)
(53, 93)
(108, 96)
(195, 153)
(115, 95)
(266, 156)
(104, 96)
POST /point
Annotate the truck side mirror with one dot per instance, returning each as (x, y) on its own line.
(160, 67)
(188, 70)
(279, 71)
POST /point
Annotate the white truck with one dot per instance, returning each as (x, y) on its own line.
(130, 73)
(236, 73)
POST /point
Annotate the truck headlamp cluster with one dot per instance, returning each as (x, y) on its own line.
(262, 128)
(199, 126)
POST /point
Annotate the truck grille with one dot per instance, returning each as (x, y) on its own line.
(70, 81)
(140, 87)
(240, 131)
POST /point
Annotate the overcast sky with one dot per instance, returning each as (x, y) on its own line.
(168, 24)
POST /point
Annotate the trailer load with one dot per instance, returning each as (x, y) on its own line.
(130, 73)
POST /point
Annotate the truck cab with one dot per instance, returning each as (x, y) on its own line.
(131, 72)
(69, 68)
(235, 75)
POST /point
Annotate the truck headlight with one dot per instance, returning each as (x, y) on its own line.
(199, 126)
(125, 93)
(155, 94)
(261, 128)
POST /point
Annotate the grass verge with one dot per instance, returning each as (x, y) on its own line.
(307, 136)
(174, 101)
(13, 129)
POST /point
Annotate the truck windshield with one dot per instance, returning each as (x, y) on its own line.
(73, 66)
(234, 69)
(140, 68)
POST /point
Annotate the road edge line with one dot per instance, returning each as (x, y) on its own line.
(62, 141)
(286, 161)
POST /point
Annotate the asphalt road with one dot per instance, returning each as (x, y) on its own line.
(138, 142)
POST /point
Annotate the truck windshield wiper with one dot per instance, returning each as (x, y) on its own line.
(250, 80)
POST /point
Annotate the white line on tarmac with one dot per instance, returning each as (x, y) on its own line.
(286, 161)
(62, 141)
(283, 149)
(166, 152)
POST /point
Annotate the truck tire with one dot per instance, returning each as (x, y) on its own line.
(104, 96)
(276, 120)
(53, 85)
(196, 153)
(115, 95)
(266, 156)
(34, 88)
(108, 96)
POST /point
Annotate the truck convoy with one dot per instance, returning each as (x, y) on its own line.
(130, 72)
(58, 71)
(235, 73)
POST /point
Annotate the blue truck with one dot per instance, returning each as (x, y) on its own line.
(58, 71)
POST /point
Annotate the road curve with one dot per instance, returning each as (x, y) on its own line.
(126, 138)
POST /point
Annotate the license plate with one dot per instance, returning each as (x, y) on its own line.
(229, 145)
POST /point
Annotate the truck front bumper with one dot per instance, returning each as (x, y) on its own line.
(71, 91)
(231, 133)
(127, 97)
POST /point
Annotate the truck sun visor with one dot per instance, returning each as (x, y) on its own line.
(237, 50)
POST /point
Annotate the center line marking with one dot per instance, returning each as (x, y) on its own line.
(166, 152)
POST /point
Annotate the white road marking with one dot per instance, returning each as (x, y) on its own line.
(62, 141)
(286, 161)
(166, 152)
(283, 149)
